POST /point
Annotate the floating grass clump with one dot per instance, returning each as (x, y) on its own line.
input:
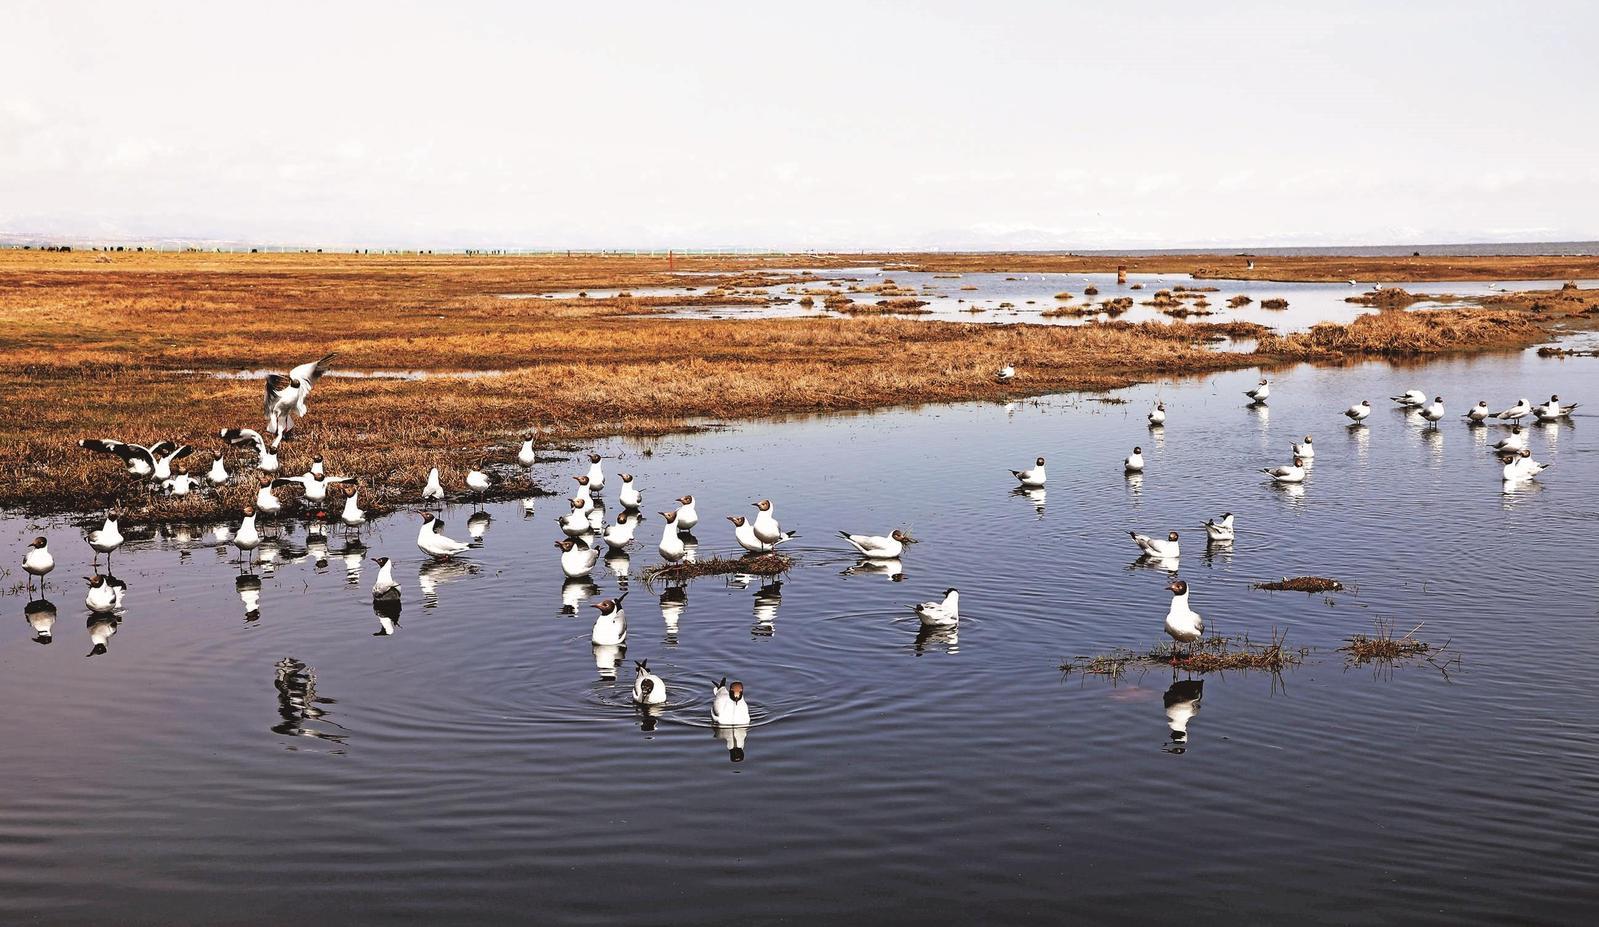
(1239, 300)
(1210, 655)
(753, 564)
(1276, 303)
(1302, 584)
(1383, 647)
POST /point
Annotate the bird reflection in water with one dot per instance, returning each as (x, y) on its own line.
(732, 736)
(387, 608)
(248, 586)
(574, 591)
(767, 599)
(477, 525)
(607, 657)
(101, 628)
(529, 504)
(1182, 703)
(435, 573)
(353, 553)
(1035, 496)
(299, 705)
(893, 569)
(41, 616)
(1135, 485)
(930, 638)
(673, 600)
(691, 546)
(618, 562)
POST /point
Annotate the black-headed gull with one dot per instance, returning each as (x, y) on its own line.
(671, 547)
(433, 489)
(878, 547)
(179, 484)
(687, 515)
(744, 533)
(1359, 412)
(1134, 462)
(610, 625)
(648, 688)
(527, 455)
(431, 541)
(266, 455)
(1514, 442)
(1521, 466)
(480, 480)
(628, 495)
(1433, 413)
(1517, 412)
(1553, 410)
(152, 462)
(945, 613)
(577, 558)
(620, 534)
(728, 707)
(1157, 415)
(1410, 398)
(574, 523)
(385, 586)
(38, 561)
(1478, 413)
(104, 595)
(766, 526)
(353, 516)
(1006, 373)
(1261, 392)
(1292, 473)
(1167, 549)
(248, 537)
(1304, 450)
(1220, 529)
(596, 473)
(313, 485)
(286, 395)
(218, 474)
(107, 538)
(1183, 624)
(1032, 479)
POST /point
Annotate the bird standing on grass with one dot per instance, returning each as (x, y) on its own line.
(1183, 624)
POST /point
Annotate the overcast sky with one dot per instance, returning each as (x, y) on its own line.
(857, 124)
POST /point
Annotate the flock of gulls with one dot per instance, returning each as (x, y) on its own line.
(584, 528)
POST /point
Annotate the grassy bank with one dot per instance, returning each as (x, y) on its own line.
(130, 347)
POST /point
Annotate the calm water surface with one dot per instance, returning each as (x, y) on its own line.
(482, 764)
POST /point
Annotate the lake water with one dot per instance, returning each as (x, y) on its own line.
(1015, 297)
(478, 765)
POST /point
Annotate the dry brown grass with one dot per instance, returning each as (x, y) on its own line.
(752, 564)
(1302, 584)
(1209, 655)
(1402, 334)
(1323, 268)
(129, 349)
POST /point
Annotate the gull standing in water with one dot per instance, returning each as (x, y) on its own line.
(1260, 393)
(1478, 413)
(38, 562)
(247, 538)
(435, 544)
(620, 535)
(596, 473)
(480, 481)
(1433, 413)
(628, 495)
(107, 539)
(574, 523)
(877, 547)
(1134, 462)
(1031, 479)
(1359, 412)
(433, 490)
(1304, 451)
(265, 501)
(1514, 442)
(1157, 415)
(353, 516)
(744, 533)
(1411, 398)
(266, 455)
(526, 455)
(671, 547)
(1517, 412)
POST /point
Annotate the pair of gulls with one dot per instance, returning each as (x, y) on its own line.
(1170, 548)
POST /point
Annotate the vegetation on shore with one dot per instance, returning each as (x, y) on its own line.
(143, 347)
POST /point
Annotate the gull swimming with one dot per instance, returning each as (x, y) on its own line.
(577, 558)
(432, 541)
(671, 547)
(620, 534)
(877, 547)
(1514, 442)
(1553, 410)
(1157, 415)
(576, 522)
(1220, 529)
(687, 515)
(1521, 466)
(1292, 473)
(648, 688)
(610, 625)
(1304, 451)
(385, 586)
(945, 613)
(104, 594)
(1167, 549)
(1031, 479)
(727, 704)
(1134, 463)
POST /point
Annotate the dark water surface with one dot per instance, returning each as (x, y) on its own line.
(475, 766)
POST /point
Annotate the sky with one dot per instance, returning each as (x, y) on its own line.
(815, 126)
